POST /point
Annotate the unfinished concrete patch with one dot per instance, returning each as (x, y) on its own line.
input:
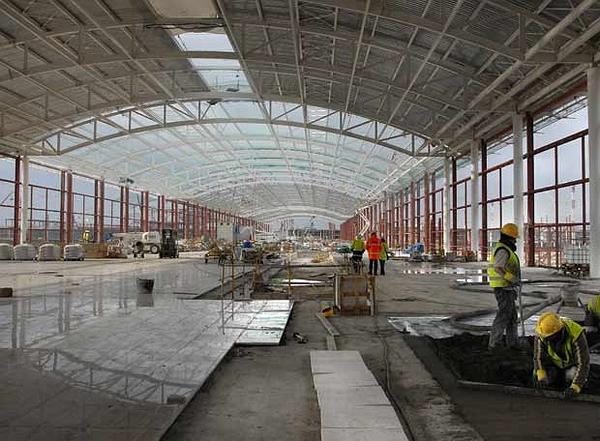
(498, 416)
(468, 358)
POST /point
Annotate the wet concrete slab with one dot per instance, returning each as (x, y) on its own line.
(98, 360)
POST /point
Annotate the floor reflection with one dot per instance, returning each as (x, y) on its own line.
(90, 357)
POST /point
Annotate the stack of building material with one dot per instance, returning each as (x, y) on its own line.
(74, 252)
(24, 252)
(353, 405)
(95, 250)
(6, 252)
(49, 251)
(355, 294)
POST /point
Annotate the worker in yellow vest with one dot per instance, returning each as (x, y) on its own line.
(383, 256)
(592, 312)
(504, 274)
(358, 249)
(561, 354)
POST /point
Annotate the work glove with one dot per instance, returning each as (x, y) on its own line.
(541, 379)
(571, 392)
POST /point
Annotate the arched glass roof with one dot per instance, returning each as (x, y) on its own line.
(316, 105)
(232, 158)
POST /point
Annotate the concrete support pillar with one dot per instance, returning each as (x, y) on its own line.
(593, 84)
(475, 198)
(517, 123)
(446, 210)
(24, 199)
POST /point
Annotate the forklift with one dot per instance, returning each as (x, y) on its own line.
(168, 244)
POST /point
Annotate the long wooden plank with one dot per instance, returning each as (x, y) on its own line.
(327, 324)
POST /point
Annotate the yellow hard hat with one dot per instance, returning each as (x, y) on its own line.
(548, 324)
(510, 230)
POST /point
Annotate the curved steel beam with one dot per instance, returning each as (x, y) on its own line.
(234, 182)
(285, 66)
(278, 213)
(276, 122)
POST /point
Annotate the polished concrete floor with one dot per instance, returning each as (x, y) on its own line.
(84, 355)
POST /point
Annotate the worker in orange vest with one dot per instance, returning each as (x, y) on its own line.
(374, 250)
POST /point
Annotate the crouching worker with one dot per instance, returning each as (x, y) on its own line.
(560, 354)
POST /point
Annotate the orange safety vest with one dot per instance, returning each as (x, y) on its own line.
(374, 247)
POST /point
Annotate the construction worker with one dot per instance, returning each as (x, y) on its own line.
(383, 256)
(504, 273)
(592, 312)
(561, 354)
(374, 251)
(358, 249)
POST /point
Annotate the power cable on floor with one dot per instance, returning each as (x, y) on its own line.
(388, 387)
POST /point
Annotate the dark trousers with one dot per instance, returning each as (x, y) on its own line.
(382, 266)
(373, 266)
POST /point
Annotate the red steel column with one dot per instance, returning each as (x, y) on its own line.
(163, 213)
(174, 215)
(412, 215)
(453, 236)
(69, 212)
(530, 191)
(101, 212)
(426, 225)
(17, 206)
(432, 209)
(63, 185)
(483, 238)
(145, 211)
(402, 232)
(96, 198)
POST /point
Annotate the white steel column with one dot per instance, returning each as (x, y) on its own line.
(446, 211)
(517, 123)
(593, 84)
(24, 198)
(475, 198)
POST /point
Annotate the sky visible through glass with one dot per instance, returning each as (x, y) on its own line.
(569, 166)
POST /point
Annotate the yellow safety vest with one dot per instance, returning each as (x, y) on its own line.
(384, 252)
(568, 359)
(358, 245)
(594, 305)
(512, 269)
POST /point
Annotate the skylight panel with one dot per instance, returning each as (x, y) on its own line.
(221, 74)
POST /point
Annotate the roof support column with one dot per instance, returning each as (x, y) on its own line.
(413, 215)
(401, 230)
(446, 209)
(426, 226)
(475, 198)
(530, 192)
(17, 202)
(593, 77)
(517, 123)
(24, 199)
(454, 211)
(484, 207)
